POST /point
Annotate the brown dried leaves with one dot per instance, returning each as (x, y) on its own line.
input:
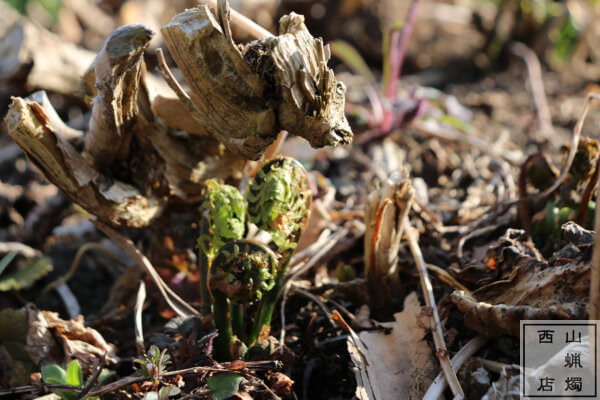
(558, 289)
(54, 340)
(245, 96)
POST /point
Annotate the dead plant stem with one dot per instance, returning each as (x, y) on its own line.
(412, 237)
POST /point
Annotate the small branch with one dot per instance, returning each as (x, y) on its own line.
(139, 328)
(180, 306)
(438, 334)
(74, 266)
(445, 277)
(243, 22)
(471, 235)
(537, 88)
(124, 382)
(93, 379)
(467, 351)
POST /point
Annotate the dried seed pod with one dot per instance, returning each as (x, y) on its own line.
(279, 201)
(244, 270)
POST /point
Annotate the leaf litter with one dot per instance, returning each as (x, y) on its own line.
(496, 213)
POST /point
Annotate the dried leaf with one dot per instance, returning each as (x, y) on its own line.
(401, 364)
(51, 340)
(534, 290)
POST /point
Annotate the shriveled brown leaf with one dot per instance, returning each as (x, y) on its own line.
(51, 339)
(535, 289)
(401, 364)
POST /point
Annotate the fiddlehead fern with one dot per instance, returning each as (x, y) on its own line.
(223, 220)
(242, 272)
(279, 202)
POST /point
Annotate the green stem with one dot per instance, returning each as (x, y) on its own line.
(267, 306)
(222, 318)
(204, 264)
(237, 321)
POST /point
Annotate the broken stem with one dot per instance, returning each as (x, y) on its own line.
(467, 351)
(412, 237)
(243, 22)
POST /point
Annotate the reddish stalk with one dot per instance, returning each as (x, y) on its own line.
(398, 47)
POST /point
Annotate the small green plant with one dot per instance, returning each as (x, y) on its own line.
(54, 374)
(153, 364)
(223, 220)
(244, 273)
(164, 393)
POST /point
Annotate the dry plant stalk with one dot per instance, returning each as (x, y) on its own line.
(32, 129)
(117, 70)
(245, 95)
(412, 236)
(386, 210)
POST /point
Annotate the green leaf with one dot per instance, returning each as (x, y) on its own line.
(74, 375)
(26, 275)
(154, 353)
(105, 376)
(168, 391)
(7, 260)
(455, 122)
(224, 386)
(352, 58)
(151, 396)
(54, 374)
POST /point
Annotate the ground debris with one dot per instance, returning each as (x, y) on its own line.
(534, 289)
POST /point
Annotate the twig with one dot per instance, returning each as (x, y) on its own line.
(439, 383)
(595, 279)
(575, 135)
(586, 197)
(337, 286)
(139, 328)
(93, 379)
(305, 266)
(284, 296)
(245, 23)
(187, 101)
(43, 388)
(358, 352)
(180, 306)
(537, 87)
(438, 335)
(445, 277)
(315, 299)
(473, 234)
(223, 367)
(75, 265)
